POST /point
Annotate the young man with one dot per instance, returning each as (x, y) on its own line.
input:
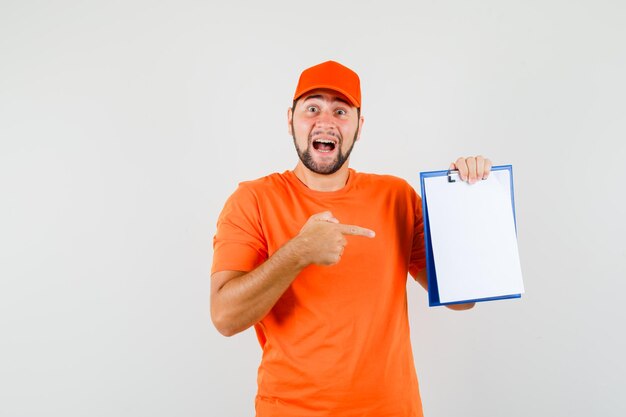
(316, 259)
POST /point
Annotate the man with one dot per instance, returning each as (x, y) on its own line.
(316, 259)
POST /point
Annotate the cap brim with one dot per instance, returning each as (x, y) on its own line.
(351, 99)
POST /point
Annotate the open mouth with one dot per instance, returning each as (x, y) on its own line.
(324, 145)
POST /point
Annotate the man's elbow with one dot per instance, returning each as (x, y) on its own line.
(225, 331)
(223, 325)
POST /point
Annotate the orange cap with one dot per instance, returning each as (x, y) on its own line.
(331, 75)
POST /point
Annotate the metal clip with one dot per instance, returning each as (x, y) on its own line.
(453, 175)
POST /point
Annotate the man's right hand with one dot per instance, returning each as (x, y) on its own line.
(321, 240)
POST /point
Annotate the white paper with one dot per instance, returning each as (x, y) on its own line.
(473, 237)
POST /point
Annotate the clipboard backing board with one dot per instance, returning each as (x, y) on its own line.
(470, 237)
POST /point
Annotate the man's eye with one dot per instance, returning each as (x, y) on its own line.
(312, 109)
(341, 112)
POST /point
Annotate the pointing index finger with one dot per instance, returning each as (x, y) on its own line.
(349, 229)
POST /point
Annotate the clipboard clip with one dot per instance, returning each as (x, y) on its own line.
(453, 175)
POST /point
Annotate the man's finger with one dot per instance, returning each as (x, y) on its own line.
(348, 229)
(471, 166)
(487, 168)
(461, 165)
(480, 167)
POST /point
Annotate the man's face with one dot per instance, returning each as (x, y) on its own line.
(324, 126)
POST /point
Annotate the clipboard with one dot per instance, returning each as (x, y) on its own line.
(470, 235)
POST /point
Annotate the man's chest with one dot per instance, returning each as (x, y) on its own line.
(391, 217)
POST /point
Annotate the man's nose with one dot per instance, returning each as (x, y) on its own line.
(325, 118)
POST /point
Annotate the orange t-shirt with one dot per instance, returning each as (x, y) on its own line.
(337, 342)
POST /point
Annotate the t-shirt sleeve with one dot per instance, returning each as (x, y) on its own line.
(418, 252)
(239, 243)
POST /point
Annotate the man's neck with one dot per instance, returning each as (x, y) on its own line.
(321, 182)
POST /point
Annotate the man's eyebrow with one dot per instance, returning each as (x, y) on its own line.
(335, 98)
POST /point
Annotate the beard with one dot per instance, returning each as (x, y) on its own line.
(325, 168)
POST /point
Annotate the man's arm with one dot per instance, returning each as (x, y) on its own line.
(241, 299)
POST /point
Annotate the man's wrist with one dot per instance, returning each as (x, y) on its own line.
(296, 251)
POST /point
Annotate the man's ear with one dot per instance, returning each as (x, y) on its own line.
(290, 121)
(361, 121)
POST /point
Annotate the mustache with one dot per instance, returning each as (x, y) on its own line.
(318, 132)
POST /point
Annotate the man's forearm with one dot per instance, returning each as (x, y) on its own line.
(244, 300)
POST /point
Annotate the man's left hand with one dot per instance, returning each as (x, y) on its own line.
(472, 168)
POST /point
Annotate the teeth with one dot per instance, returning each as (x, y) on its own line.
(326, 142)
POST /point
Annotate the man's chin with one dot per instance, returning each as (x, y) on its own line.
(325, 169)
(326, 166)
(321, 164)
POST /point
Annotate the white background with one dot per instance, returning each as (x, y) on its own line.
(124, 126)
